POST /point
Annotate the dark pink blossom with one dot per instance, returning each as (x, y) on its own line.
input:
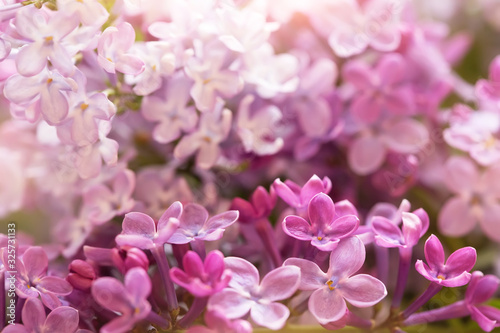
(299, 197)
(482, 288)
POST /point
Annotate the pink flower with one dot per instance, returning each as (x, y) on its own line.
(113, 48)
(482, 288)
(195, 225)
(63, 319)
(129, 299)
(299, 197)
(453, 273)
(333, 288)
(489, 90)
(90, 12)
(387, 234)
(45, 30)
(81, 275)
(476, 199)
(245, 293)
(327, 226)
(202, 279)
(260, 205)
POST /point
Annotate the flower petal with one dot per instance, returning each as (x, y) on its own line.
(387, 234)
(111, 294)
(221, 221)
(64, 319)
(280, 283)
(434, 253)
(406, 136)
(366, 154)
(489, 221)
(412, 228)
(244, 275)
(33, 314)
(272, 316)
(456, 218)
(362, 290)
(231, 302)
(321, 211)
(347, 258)
(35, 262)
(138, 224)
(55, 285)
(327, 305)
(311, 276)
(297, 227)
(193, 218)
(138, 285)
(462, 260)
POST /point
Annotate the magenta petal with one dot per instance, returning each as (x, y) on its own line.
(343, 227)
(485, 287)
(272, 316)
(50, 300)
(55, 285)
(424, 218)
(321, 211)
(221, 221)
(462, 260)
(412, 228)
(244, 275)
(456, 281)
(214, 264)
(482, 320)
(311, 276)
(424, 270)
(491, 313)
(285, 193)
(434, 252)
(110, 293)
(17, 328)
(327, 305)
(138, 284)
(193, 218)
(35, 262)
(345, 207)
(174, 211)
(362, 290)
(366, 109)
(134, 240)
(314, 186)
(280, 283)
(139, 224)
(456, 218)
(33, 314)
(297, 227)
(192, 264)
(387, 234)
(180, 277)
(231, 302)
(347, 258)
(64, 319)
(120, 324)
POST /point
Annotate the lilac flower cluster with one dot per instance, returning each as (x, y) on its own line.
(147, 140)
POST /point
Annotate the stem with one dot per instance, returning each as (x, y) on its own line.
(156, 319)
(2, 300)
(297, 247)
(403, 270)
(382, 257)
(194, 311)
(164, 268)
(198, 246)
(432, 290)
(179, 251)
(266, 233)
(455, 310)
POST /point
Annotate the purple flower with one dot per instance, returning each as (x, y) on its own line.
(481, 288)
(379, 90)
(333, 288)
(202, 279)
(387, 234)
(64, 319)
(81, 275)
(195, 225)
(489, 90)
(129, 299)
(32, 280)
(327, 226)
(453, 273)
(217, 322)
(260, 205)
(299, 197)
(140, 230)
(246, 294)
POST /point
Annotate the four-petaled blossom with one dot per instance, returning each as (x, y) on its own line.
(387, 234)
(129, 299)
(482, 288)
(63, 319)
(202, 279)
(333, 288)
(453, 273)
(195, 225)
(45, 31)
(260, 205)
(245, 293)
(299, 197)
(328, 225)
(113, 48)
(141, 231)
(32, 279)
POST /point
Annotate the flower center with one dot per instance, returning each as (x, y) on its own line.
(49, 39)
(84, 106)
(490, 142)
(329, 283)
(320, 238)
(441, 277)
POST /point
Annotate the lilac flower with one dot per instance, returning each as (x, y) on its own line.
(129, 299)
(113, 47)
(475, 200)
(481, 288)
(45, 31)
(257, 129)
(32, 280)
(327, 227)
(260, 205)
(453, 273)
(387, 234)
(173, 115)
(64, 319)
(245, 293)
(195, 225)
(214, 126)
(332, 289)
(299, 197)
(81, 275)
(140, 230)
(104, 204)
(202, 279)
(90, 12)
(216, 322)
(489, 90)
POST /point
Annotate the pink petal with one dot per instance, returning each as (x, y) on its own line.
(33, 315)
(456, 218)
(366, 154)
(55, 285)
(54, 105)
(482, 320)
(321, 211)
(129, 64)
(424, 270)
(491, 313)
(214, 264)
(346, 43)
(311, 276)
(347, 258)
(461, 260)
(327, 305)
(207, 155)
(139, 224)
(359, 74)
(461, 174)
(489, 222)
(343, 227)
(285, 193)
(120, 324)
(138, 284)
(366, 109)
(31, 60)
(220, 221)
(193, 265)
(50, 300)
(406, 136)
(187, 146)
(344, 207)
(412, 228)
(314, 186)
(193, 218)
(280, 283)
(35, 262)
(231, 302)
(138, 241)
(111, 294)
(18, 328)
(244, 275)
(20, 89)
(386, 233)
(391, 68)
(386, 40)
(64, 319)
(484, 288)
(272, 316)
(297, 227)
(434, 253)
(362, 290)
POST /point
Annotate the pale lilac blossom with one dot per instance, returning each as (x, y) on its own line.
(89, 12)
